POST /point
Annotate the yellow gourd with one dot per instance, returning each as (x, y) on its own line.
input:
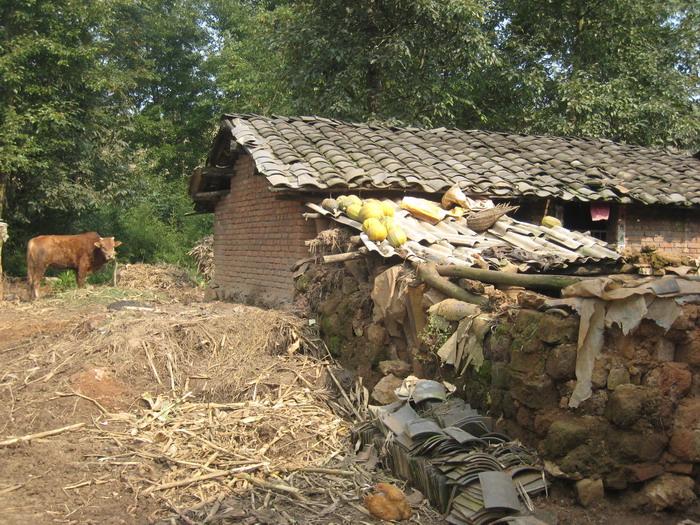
(388, 208)
(342, 202)
(396, 236)
(375, 230)
(550, 222)
(371, 210)
(353, 211)
(353, 199)
(388, 222)
(367, 224)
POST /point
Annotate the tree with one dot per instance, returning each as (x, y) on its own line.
(626, 70)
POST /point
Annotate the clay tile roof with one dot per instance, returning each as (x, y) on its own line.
(311, 153)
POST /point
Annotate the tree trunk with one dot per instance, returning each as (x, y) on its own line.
(3, 182)
(556, 282)
(429, 275)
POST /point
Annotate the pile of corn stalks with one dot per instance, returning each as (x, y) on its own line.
(203, 254)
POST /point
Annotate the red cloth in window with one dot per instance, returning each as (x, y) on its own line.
(600, 211)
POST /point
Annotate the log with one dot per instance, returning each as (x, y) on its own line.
(342, 257)
(430, 276)
(556, 282)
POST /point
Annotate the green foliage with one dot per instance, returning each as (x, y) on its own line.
(64, 281)
(436, 333)
(107, 106)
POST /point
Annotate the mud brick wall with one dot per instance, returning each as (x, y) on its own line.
(643, 419)
(671, 230)
(257, 237)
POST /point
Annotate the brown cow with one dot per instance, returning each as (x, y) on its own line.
(84, 253)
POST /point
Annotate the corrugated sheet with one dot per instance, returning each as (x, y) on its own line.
(451, 242)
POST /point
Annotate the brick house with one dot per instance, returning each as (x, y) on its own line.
(260, 172)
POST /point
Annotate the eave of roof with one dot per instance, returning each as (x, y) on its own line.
(319, 154)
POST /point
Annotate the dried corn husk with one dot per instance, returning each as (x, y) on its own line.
(482, 220)
(454, 197)
(423, 209)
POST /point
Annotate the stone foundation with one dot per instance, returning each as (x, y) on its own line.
(643, 418)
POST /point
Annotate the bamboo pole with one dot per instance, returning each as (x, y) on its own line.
(525, 280)
(429, 275)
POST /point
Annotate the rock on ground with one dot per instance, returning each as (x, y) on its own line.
(383, 391)
(669, 491)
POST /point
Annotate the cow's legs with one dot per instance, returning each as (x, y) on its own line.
(81, 273)
(35, 273)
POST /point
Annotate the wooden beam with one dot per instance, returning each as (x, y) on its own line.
(342, 257)
(210, 195)
(218, 171)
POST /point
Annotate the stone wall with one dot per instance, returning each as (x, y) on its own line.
(640, 426)
(643, 418)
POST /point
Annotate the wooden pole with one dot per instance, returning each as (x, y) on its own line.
(3, 236)
(342, 257)
(525, 280)
(430, 276)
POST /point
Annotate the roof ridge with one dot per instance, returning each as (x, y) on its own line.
(393, 127)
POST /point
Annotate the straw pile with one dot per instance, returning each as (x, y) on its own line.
(203, 254)
(229, 410)
(152, 277)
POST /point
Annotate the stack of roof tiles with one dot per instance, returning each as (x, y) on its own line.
(312, 153)
(450, 453)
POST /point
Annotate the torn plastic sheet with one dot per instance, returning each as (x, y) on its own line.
(590, 342)
(606, 302)
(626, 313)
(621, 287)
(388, 296)
(466, 345)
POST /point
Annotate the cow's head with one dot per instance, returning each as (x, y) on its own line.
(107, 245)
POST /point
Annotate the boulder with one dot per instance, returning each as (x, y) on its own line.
(625, 405)
(672, 379)
(688, 350)
(633, 446)
(590, 492)
(618, 375)
(395, 367)
(643, 471)
(599, 376)
(566, 434)
(561, 362)
(669, 491)
(383, 391)
(376, 334)
(685, 439)
(535, 391)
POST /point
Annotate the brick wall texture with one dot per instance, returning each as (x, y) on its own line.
(671, 230)
(257, 237)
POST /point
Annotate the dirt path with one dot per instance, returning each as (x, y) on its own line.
(179, 391)
(168, 393)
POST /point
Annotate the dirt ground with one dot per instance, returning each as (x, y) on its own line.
(171, 410)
